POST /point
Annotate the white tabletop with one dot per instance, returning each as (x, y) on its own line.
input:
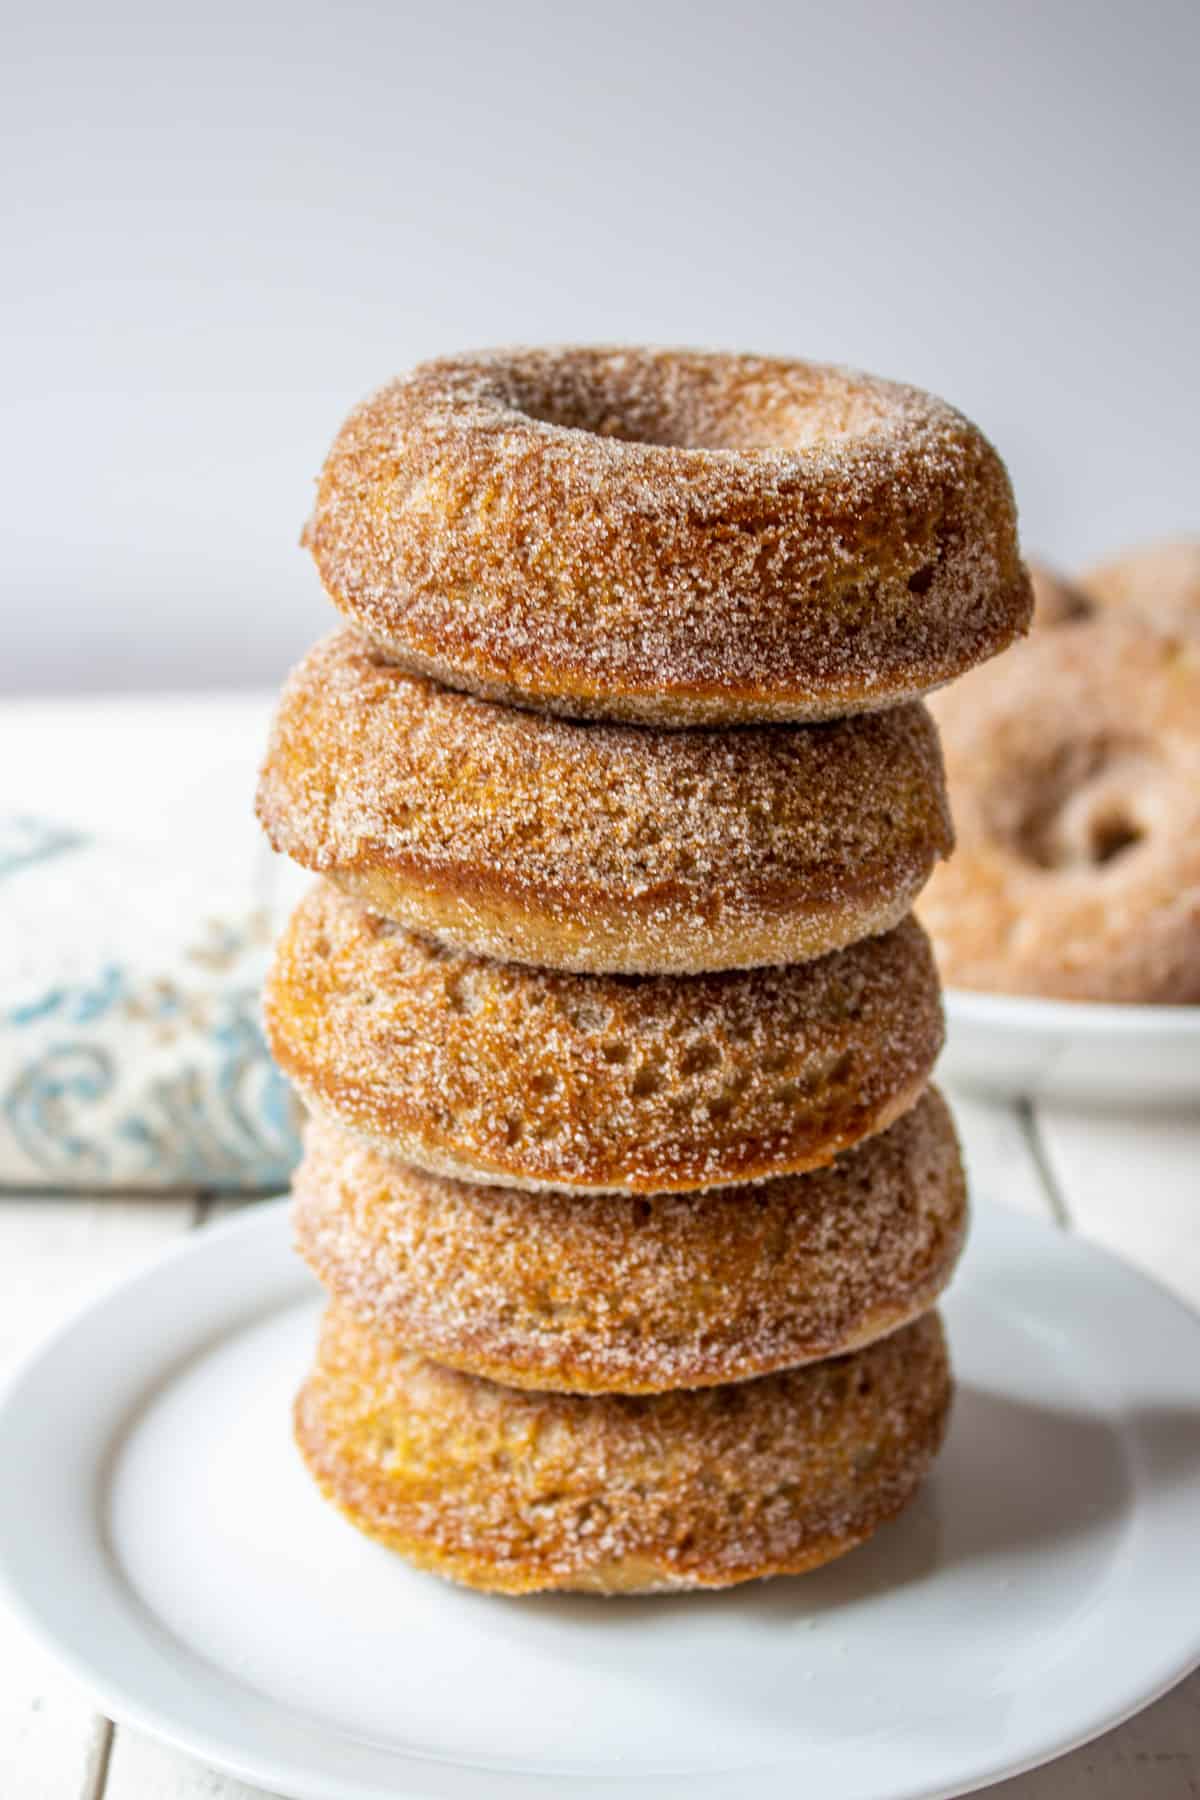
(154, 770)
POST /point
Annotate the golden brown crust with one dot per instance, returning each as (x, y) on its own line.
(671, 537)
(599, 847)
(516, 1492)
(613, 1294)
(1074, 769)
(494, 1072)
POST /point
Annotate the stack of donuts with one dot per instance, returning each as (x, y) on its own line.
(623, 1173)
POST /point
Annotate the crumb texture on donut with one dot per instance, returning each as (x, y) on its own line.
(1074, 771)
(516, 1491)
(495, 1072)
(633, 1294)
(673, 537)
(600, 847)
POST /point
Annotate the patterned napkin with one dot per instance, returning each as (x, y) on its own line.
(131, 1055)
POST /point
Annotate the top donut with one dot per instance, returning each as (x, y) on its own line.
(670, 537)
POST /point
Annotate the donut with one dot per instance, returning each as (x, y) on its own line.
(1056, 600)
(515, 1491)
(600, 848)
(1160, 582)
(1074, 773)
(498, 1073)
(672, 537)
(608, 1293)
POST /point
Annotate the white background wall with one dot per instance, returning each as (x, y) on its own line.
(227, 221)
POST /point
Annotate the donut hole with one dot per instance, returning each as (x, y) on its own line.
(1082, 806)
(690, 402)
(1113, 833)
(1094, 831)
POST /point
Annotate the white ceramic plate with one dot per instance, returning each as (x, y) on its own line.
(1129, 1056)
(157, 1528)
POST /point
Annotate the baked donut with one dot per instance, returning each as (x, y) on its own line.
(672, 537)
(599, 847)
(515, 1491)
(608, 1293)
(1074, 774)
(495, 1072)
(1056, 601)
(1159, 582)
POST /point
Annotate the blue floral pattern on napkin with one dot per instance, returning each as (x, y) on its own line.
(147, 1069)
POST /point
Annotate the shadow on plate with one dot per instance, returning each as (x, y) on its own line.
(1013, 1476)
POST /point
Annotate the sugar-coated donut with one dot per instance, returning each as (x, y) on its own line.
(1074, 769)
(600, 847)
(672, 537)
(1056, 600)
(515, 1491)
(1159, 582)
(607, 1293)
(495, 1072)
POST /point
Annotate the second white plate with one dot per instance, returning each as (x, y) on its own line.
(1072, 1051)
(157, 1528)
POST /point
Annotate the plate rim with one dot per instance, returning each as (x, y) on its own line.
(1029, 1013)
(262, 1218)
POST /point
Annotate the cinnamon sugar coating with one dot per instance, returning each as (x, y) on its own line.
(514, 1491)
(498, 1073)
(1074, 770)
(599, 847)
(1158, 582)
(671, 537)
(625, 1294)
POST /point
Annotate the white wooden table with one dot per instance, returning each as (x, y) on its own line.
(1131, 1184)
